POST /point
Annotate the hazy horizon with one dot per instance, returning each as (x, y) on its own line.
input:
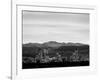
(40, 27)
(53, 41)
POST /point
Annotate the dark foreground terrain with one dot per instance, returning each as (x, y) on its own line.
(54, 64)
(54, 54)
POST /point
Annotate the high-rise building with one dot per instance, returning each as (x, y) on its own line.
(43, 56)
(59, 59)
(75, 56)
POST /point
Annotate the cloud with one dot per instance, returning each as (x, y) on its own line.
(44, 26)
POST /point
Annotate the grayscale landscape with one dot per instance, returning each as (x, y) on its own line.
(52, 39)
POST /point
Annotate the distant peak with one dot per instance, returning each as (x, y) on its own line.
(51, 42)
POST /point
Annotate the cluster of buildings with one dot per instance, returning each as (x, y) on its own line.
(43, 57)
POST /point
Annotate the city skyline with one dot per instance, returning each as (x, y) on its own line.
(40, 27)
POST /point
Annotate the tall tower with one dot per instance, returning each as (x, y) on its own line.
(58, 57)
(42, 56)
(45, 52)
(75, 56)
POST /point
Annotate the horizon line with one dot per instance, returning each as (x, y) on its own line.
(55, 41)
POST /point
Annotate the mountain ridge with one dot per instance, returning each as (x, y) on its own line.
(52, 44)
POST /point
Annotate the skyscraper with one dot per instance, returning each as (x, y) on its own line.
(75, 56)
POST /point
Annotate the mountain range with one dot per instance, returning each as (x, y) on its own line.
(52, 44)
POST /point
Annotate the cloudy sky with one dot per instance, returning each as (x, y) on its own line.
(61, 27)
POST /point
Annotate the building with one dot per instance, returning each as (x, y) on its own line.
(75, 56)
(59, 58)
(43, 56)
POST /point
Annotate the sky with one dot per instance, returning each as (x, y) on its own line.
(39, 27)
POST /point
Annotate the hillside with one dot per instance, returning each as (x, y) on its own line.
(65, 49)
